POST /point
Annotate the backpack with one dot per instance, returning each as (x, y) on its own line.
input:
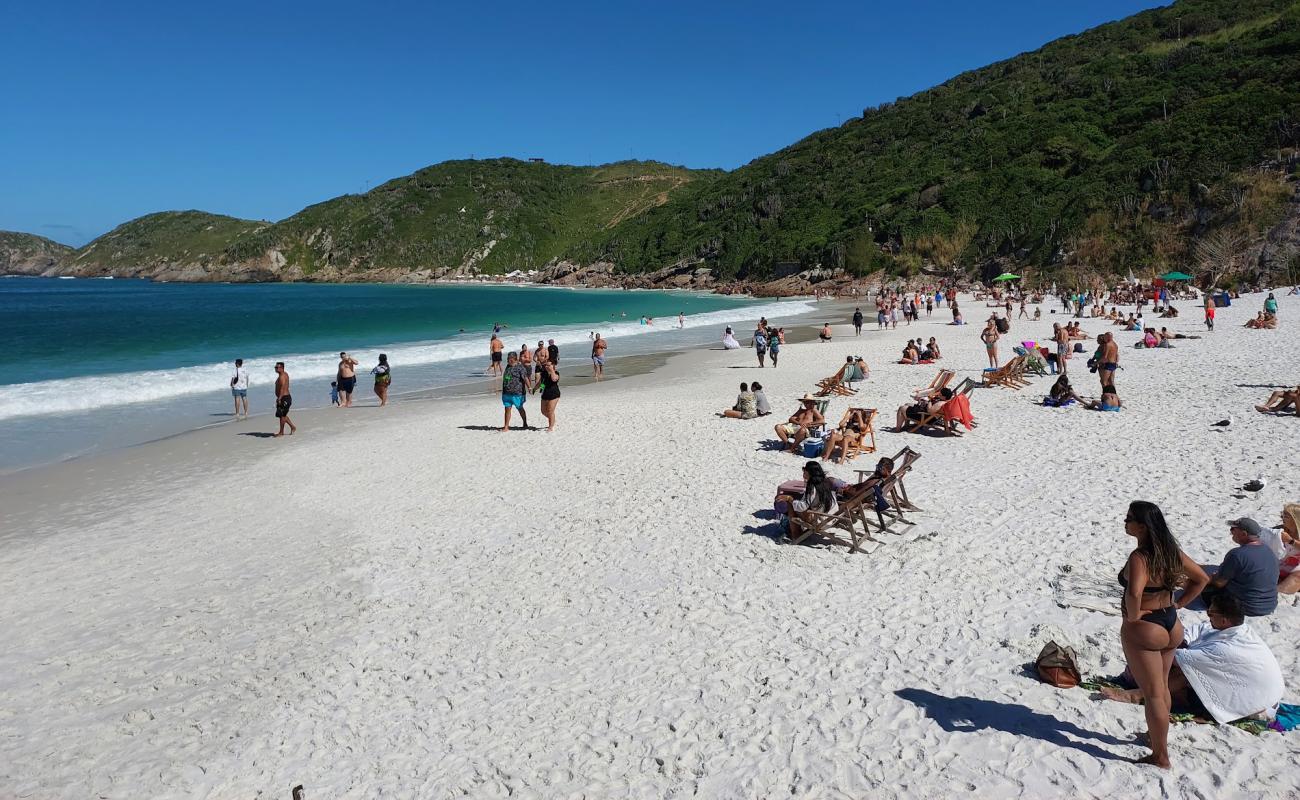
(1058, 666)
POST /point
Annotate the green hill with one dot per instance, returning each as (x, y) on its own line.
(1121, 146)
(28, 254)
(491, 216)
(167, 238)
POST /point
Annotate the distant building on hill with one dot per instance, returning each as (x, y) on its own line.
(538, 160)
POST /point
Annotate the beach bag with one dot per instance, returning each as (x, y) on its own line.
(1058, 666)
(1003, 325)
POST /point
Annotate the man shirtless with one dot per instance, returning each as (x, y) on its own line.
(1062, 338)
(598, 357)
(347, 378)
(495, 347)
(1109, 361)
(283, 400)
(526, 359)
(793, 431)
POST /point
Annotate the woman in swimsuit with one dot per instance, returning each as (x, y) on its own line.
(1151, 630)
(550, 393)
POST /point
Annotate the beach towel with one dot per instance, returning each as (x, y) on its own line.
(1288, 718)
(1232, 671)
(1091, 590)
(958, 410)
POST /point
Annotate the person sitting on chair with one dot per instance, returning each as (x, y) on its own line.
(793, 431)
(920, 410)
(818, 496)
(847, 435)
(1280, 401)
(876, 480)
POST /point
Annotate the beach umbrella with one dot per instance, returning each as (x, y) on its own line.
(1006, 276)
(1176, 276)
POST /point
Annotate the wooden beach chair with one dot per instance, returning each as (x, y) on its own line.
(1034, 364)
(834, 385)
(856, 444)
(847, 525)
(940, 381)
(1005, 374)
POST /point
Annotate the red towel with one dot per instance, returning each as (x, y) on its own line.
(958, 410)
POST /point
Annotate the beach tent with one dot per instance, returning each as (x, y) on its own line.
(1176, 276)
(1006, 276)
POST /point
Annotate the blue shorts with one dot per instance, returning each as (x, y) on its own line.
(516, 400)
(598, 360)
(239, 392)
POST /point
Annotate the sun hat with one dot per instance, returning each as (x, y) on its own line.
(807, 398)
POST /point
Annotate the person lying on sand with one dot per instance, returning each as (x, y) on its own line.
(793, 431)
(1280, 401)
(746, 406)
(1222, 671)
(1169, 313)
(1168, 337)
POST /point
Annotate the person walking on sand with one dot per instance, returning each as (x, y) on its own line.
(773, 346)
(495, 347)
(990, 338)
(598, 358)
(760, 345)
(1151, 631)
(1023, 313)
(857, 322)
(347, 378)
(383, 377)
(283, 400)
(239, 388)
(515, 383)
(1209, 312)
(549, 378)
(1109, 361)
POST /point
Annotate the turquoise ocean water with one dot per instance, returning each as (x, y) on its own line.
(87, 365)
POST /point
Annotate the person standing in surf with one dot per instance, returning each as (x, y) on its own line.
(598, 358)
(347, 378)
(239, 388)
(283, 400)
(495, 347)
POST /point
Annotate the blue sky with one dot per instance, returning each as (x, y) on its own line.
(113, 110)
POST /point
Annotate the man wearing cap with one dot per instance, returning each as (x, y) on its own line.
(793, 431)
(1249, 570)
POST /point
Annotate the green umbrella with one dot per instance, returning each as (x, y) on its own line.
(1007, 276)
(1177, 276)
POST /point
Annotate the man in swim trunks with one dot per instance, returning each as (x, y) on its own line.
(515, 383)
(526, 359)
(495, 347)
(598, 357)
(283, 400)
(1109, 361)
(347, 378)
(794, 430)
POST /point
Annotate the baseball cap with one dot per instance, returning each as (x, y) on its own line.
(1250, 526)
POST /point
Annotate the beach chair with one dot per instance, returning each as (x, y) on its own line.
(854, 445)
(834, 385)
(1034, 363)
(847, 525)
(895, 492)
(1005, 375)
(940, 381)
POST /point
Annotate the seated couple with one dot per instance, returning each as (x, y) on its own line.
(914, 353)
(1280, 401)
(1222, 670)
(1074, 330)
(793, 431)
(821, 495)
(749, 403)
(854, 370)
(1264, 321)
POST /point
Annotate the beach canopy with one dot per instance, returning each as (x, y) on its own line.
(1176, 276)
(1007, 276)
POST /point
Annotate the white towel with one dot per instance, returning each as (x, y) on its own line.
(1232, 670)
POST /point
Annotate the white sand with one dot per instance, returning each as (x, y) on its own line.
(408, 608)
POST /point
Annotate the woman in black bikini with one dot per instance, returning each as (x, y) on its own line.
(1151, 630)
(550, 393)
